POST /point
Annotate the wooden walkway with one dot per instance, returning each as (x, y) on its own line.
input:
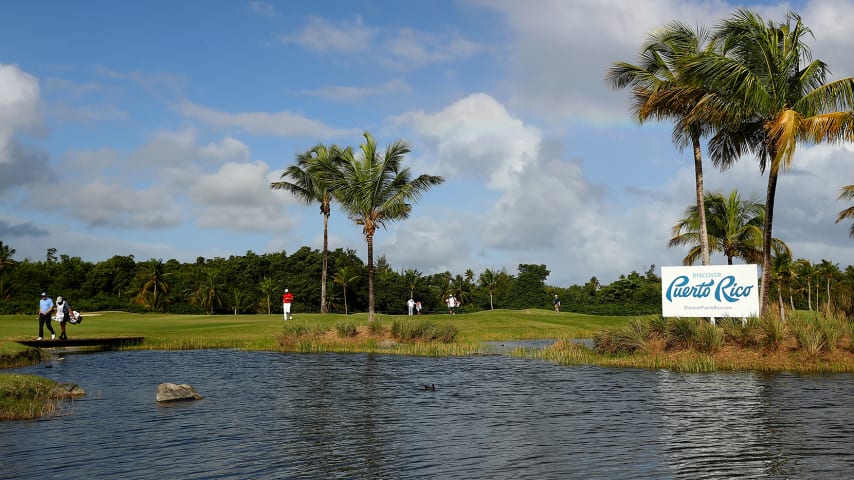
(110, 343)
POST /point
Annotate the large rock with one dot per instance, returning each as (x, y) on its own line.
(171, 392)
(67, 390)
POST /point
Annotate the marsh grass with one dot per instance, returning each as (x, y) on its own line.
(346, 329)
(27, 397)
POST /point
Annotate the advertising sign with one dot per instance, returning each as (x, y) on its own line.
(710, 291)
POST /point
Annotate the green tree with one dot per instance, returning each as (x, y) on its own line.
(488, 281)
(662, 91)
(413, 279)
(847, 194)
(268, 287)
(209, 291)
(765, 95)
(734, 228)
(529, 289)
(782, 271)
(6, 265)
(344, 276)
(310, 182)
(374, 190)
(152, 286)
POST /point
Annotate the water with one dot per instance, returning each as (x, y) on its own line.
(271, 416)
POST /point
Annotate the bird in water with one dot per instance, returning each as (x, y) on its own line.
(431, 387)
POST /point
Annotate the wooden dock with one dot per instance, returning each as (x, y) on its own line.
(106, 343)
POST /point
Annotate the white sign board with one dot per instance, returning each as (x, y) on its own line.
(710, 291)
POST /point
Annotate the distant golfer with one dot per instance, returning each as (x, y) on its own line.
(287, 299)
(557, 304)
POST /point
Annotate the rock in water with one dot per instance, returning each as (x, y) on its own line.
(170, 392)
(68, 390)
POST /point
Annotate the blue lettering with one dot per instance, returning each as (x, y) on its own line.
(730, 291)
(679, 288)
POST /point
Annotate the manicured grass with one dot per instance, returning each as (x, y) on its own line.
(262, 332)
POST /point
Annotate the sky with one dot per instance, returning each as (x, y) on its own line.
(154, 129)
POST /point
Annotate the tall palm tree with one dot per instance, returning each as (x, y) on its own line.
(661, 91)
(765, 95)
(734, 228)
(309, 182)
(805, 271)
(209, 290)
(847, 194)
(374, 190)
(782, 269)
(488, 281)
(267, 286)
(343, 277)
(412, 278)
(152, 284)
(827, 270)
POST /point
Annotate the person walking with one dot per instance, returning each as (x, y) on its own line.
(452, 304)
(46, 308)
(557, 304)
(63, 313)
(418, 307)
(410, 306)
(287, 299)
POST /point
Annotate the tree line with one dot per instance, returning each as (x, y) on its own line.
(253, 284)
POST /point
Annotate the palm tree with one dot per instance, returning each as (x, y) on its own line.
(782, 269)
(310, 184)
(488, 280)
(152, 284)
(412, 278)
(734, 228)
(374, 190)
(847, 194)
(828, 271)
(6, 264)
(805, 270)
(267, 286)
(765, 95)
(662, 91)
(343, 277)
(209, 291)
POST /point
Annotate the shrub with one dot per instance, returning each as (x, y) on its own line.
(773, 328)
(346, 329)
(629, 339)
(809, 337)
(375, 326)
(709, 338)
(658, 326)
(741, 334)
(422, 330)
(681, 333)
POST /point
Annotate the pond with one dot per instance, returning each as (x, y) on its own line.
(273, 415)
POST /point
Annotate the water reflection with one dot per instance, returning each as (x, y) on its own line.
(269, 415)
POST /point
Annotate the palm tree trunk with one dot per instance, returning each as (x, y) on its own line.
(345, 300)
(701, 204)
(766, 236)
(370, 239)
(809, 293)
(490, 302)
(323, 308)
(780, 300)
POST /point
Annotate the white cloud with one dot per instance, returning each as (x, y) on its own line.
(281, 124)
(321, 35)
(263, 8)
(476, 136)
(350, 93)
(20, 107)
(411, 49)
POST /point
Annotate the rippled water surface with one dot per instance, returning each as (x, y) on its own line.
(270, 415)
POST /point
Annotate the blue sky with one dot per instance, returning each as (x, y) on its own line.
(154, 129)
